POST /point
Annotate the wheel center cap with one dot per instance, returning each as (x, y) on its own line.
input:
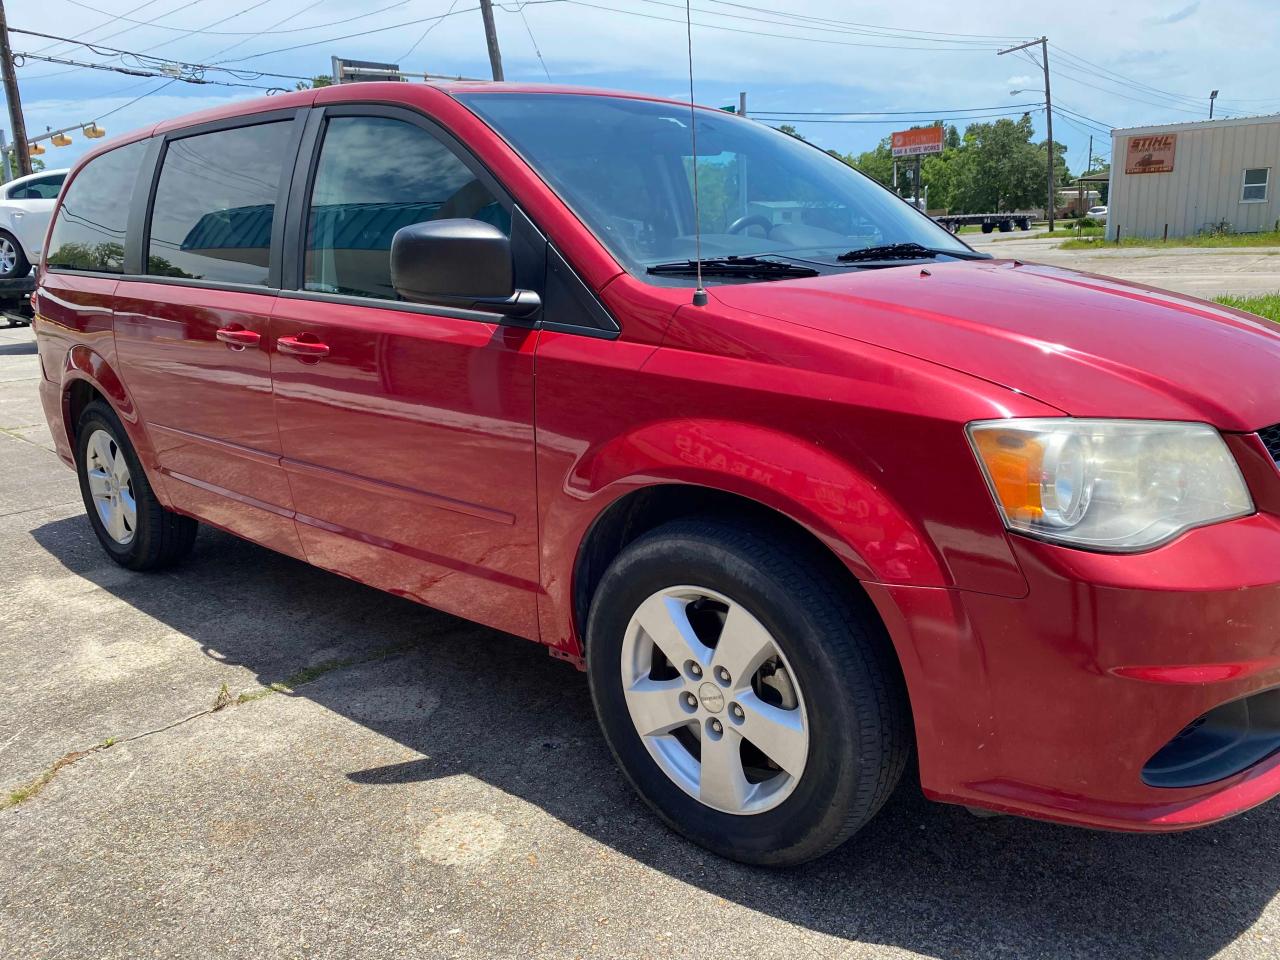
(711, 698)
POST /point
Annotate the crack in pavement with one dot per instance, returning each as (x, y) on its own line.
(222, 701)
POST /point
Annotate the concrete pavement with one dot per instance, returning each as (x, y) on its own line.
(422, 787)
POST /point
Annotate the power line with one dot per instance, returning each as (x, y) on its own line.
(532, 40)
(1185, 98)
(109, 36)
(898, 120)
(137, 72)
(146, 61)
(366, 33)
(772, 36)
(872, 27)
(243, 33)
(422, 36)
(1104, 127)
(821, 24)
(105, 23)
(890, 113)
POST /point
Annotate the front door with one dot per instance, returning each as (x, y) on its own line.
(407, 432)
(192, 334)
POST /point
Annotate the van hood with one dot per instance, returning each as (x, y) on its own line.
(1088, 345)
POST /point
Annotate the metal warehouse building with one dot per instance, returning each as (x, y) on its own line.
(1187, 178)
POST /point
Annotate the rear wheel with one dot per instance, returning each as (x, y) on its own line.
(13, 262)
(129, 521)
(750, 700)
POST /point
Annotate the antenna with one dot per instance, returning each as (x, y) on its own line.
(699, 294)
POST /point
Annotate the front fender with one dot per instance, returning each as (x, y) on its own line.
(858, 520)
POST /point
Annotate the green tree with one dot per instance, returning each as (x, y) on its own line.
(1000, 169)
(11, 161)
(315, 83)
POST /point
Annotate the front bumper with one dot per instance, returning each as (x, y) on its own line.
(1052, 704)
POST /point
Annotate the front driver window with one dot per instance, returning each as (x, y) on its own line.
(376, 175)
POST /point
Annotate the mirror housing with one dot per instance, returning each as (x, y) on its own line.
(461, 263)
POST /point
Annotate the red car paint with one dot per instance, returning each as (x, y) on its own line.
(1041, 678)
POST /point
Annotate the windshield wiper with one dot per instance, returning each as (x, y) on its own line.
(907, 251)
(749, 268)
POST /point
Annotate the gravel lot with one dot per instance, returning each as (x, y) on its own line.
(1202, 272)
(428, 788)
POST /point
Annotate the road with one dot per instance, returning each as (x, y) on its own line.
(1199, 271)
(422, 787)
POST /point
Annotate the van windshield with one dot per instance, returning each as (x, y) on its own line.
(625, 167)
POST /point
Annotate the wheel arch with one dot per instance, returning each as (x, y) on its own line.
(87, 376)
(638, 511)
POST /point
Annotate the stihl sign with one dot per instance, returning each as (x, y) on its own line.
(1150, 154)
(912, 143)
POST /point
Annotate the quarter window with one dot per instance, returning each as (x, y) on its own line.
(376, 175)
(45, 188)
(90, 229)
(215, 204)
(1254, 189)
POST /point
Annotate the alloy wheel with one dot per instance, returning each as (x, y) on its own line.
(107, 471)
(8, 256)
(714, 700)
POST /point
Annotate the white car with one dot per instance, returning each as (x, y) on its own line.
(25, 207)
(1098, 213)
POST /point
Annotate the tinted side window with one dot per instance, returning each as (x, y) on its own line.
(215, 203)
(46, 188)
(376, 175)
(89, 232)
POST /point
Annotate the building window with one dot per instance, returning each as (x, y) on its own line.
(1254, 189)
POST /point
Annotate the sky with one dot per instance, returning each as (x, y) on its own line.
(811, 63)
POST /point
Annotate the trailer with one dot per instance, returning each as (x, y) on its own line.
(1004, 222)
(15, 301)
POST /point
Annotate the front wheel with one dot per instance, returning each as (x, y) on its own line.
(749, 699)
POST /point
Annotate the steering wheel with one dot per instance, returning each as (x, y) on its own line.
(752, 221)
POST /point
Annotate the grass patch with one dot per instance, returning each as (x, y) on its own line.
(1266, 305)
(1269, 239)
(1056, 232)
(32, 788)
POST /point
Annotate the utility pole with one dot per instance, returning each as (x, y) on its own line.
(13, 99)
(491, 37)
(1048, 113)
(1213, 95)
(742, 104)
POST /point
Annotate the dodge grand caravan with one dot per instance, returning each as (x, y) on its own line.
(871, 498)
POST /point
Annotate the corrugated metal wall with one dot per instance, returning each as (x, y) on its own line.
(1204, 187)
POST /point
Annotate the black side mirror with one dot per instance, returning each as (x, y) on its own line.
(462, 263)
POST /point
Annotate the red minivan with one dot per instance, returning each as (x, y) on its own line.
(872, 498)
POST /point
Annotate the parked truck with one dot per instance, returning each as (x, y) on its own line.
(1004, 222)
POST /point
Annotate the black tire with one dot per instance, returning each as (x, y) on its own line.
(839, 654)
(21, 265)
(1005, 226)
(988, 227)
(160, 538)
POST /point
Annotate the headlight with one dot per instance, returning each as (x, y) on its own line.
(1113, 485)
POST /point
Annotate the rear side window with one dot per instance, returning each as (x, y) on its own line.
(45, 188)
(376, 175)
(215, 204)
(90, 229)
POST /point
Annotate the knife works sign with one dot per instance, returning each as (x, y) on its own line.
(913, 143)
(1150, 154)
